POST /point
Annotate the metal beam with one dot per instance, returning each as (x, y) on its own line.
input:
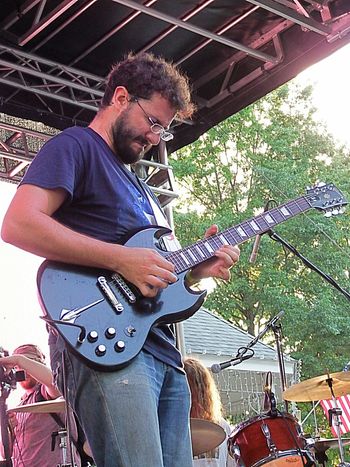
(201, 32)
(41, 25)
(289, 13)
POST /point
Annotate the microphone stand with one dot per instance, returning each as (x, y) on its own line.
(240, 356)
(308, 263)
(277, 330)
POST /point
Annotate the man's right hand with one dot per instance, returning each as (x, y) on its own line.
(147, 269)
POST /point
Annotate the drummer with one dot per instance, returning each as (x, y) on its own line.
(206, 404)
(32, 432)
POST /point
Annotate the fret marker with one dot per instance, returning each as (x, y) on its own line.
(285, 211)
(184, 258)
(241, 232)
(200, 251)
(223, 239)
(208, 247)
(189, 252)
(269, 219)
(255, 226)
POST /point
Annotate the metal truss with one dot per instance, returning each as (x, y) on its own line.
(63, 89)
(49, 80)
(19, 146)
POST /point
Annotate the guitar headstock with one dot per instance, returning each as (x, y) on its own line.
(327, 198)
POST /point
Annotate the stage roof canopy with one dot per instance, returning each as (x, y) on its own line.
(55, 54)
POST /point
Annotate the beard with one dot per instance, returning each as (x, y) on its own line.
(28, 383)
(128, 145)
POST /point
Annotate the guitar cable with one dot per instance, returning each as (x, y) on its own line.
(52, 322)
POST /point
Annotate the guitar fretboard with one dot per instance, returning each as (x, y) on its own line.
(204, 249)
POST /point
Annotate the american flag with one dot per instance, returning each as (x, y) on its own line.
(344, 403)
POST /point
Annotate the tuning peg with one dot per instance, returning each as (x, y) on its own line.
(335, 212)
(328, 213)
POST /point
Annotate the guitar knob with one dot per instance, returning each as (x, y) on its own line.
(119, 346)
(92, 336)
(110, 333)
(100, 350)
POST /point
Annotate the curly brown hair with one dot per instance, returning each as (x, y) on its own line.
(206, 403)
(145, 74)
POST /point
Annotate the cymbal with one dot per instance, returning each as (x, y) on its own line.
(315, 389)
(322, 444)
(205, 435)
(52, 406)
(87, 449)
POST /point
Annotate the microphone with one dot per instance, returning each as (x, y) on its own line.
(267, 392)
(217, 367)
(255, 249)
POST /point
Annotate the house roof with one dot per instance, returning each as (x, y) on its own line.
(208, 333)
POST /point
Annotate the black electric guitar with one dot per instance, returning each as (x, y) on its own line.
(106, 320)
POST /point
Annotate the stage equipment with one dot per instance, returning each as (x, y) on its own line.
(318, 388)
(52, 406)
(206, 435)
(322, 387)
(241, 352)
(271, 441)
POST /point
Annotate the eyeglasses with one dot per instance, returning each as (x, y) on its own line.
(156, 128)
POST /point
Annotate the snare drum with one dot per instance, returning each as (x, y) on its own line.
(274, 441)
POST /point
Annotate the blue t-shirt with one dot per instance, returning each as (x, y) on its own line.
(105, 201)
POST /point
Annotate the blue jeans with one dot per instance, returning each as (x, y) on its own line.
(134, 417)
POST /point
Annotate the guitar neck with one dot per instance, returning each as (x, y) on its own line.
(205, 249)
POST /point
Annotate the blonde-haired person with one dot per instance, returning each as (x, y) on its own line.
(32, 432)
(206, 404)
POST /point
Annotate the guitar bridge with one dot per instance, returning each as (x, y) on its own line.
(124, 288)
(108, 292)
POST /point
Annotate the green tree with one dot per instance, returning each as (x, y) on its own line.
(272, 150)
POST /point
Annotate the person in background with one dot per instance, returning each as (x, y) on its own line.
(78, 201)
(31, 433)
(206, 404)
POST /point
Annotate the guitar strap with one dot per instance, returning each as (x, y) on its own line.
(170, 241)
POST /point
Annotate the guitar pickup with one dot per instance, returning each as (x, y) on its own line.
(110, 295)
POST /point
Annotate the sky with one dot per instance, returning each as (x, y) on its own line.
(20, 311)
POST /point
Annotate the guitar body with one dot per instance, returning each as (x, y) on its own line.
(63, 288)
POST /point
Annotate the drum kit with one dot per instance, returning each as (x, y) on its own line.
(46, 407)
(276, 439)
(205, 435)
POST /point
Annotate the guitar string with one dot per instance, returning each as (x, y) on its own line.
(305, 214)
(233, 236)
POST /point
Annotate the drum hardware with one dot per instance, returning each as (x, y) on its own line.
(317, 388)
(46, 407)
(206, 435)
(338, 384)
(321, 445)
(50, 406)
(62, 443)
(269, 404)
(274, 441)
